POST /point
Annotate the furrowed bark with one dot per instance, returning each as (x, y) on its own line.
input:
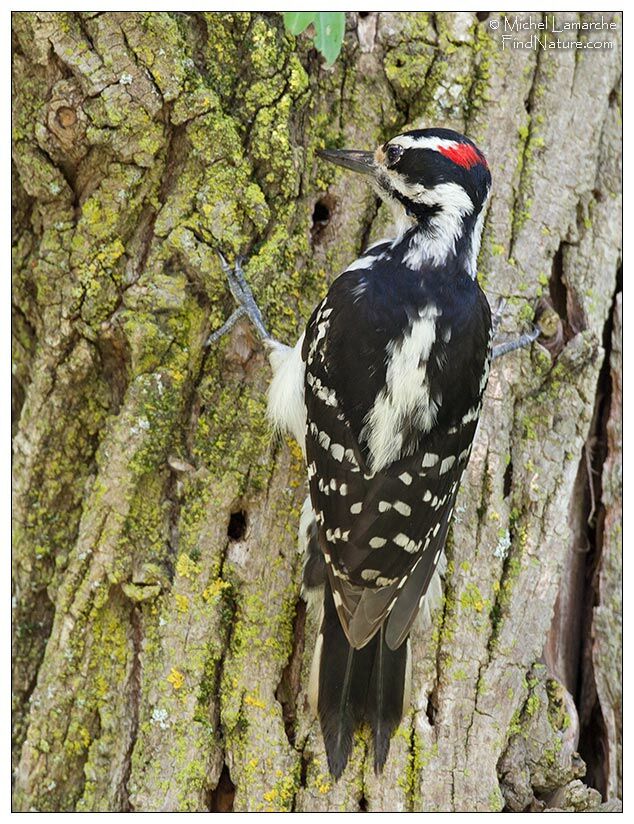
(161, 650)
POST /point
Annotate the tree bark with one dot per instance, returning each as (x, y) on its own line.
(161, 648)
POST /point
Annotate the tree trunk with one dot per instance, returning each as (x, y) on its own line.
(161, 648)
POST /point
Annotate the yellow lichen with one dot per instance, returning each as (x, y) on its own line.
(176, 678)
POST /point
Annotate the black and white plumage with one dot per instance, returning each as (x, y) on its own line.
(384, 391)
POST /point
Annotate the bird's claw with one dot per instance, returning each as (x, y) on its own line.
(519, 343)
(507, 346)
(243, 296)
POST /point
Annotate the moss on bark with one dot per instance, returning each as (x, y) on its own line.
(151, 639)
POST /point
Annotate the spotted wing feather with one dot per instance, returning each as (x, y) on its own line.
(375, 529)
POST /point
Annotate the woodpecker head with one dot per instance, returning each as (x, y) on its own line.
(434, 179)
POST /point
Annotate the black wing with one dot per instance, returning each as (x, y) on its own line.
(381, 532)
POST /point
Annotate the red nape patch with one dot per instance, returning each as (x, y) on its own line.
(464, 154)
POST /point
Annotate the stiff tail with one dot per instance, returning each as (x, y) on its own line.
(386, 695)
(356, 685)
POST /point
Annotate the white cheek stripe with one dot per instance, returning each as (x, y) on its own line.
(438, 242)
(476, 237)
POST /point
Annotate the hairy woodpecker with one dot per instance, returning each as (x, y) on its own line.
(383, 391)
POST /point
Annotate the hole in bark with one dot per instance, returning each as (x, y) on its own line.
(564, 302)
(363, 13)
(288, 688)
(594, 750)
(363, 804)
(557, 287)
(483, 15)
(322, 213)
(237, 525)
(593, 734)
(303, 770)
(222, 797)
(508, 479)
(431, 709)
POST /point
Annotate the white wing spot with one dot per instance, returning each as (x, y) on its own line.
(403, 508)
(406, 478)
(471, 415)
(322, 486)
(337, 451)
(324, 439)
(376, 543)
(370, 574)
(446, 465)
(356, 508)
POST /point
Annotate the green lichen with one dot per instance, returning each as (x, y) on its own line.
(471, 599)
(418, 758)
(408, 63)
(557, 714)
(485, 57)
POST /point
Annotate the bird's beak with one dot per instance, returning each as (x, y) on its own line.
(362, 162)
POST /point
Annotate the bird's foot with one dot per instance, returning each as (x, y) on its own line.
(510, 345)
(243, 296)
(519, 343)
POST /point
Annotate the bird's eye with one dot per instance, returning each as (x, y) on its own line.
(393, 154)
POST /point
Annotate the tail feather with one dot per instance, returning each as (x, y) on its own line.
(357, 685)
(386, 696)
(343, 686)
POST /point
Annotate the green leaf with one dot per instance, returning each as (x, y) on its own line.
(296, 21)
(330, 27)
